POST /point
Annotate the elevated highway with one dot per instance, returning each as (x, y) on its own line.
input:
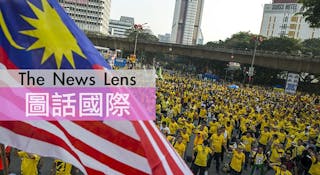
(272, 60)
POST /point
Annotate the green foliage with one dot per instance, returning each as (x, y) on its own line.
(311, 46)
(215, 44)
(241, 40)
(142, 35)
(312, 12)
(282, 44)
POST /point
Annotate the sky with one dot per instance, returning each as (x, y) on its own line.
(220, 18)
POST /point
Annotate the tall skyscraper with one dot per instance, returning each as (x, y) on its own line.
(119, 28)
(282, 18)
(89, 15)
(186, 26)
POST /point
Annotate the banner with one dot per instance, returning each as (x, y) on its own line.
(292, 83)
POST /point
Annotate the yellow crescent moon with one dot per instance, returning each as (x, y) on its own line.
(6, 32)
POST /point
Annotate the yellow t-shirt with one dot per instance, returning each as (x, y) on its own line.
(275, 142)
(278, 171)
(237, 160)
(173, 127)
(203, 113)
(217, 142)
(202, 155)
(63, 168)
(28, 164)
(247, 141)
(315, 167)
(213, 127)
(199, 138)
(276, 154)
(229, 131)
(185, 138)
(180, 148)
(189, 127)
(282, 137)
(264, 138)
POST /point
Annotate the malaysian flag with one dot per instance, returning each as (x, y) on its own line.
(38, 34)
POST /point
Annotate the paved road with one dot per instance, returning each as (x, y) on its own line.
(48, 163)
(212, 169)
(227, 159)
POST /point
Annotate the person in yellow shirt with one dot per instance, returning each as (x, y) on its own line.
(315, 167)
(190, 126)
(298, 150)
(202, 153)
(62, 168)
(217, 142)
(282, 136)
(264, 138)
(237, 161)
(276, 153)
(214, 125)
(179, 146)
(200, 136)
(258, 160)
(173, 126)
(275, 140)
(185, 136)
(202, 114)
(29, 163)
(247, 140)
(280, 170)
(204, 126)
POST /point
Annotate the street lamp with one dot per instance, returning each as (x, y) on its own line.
(251, 68)
(137, 28)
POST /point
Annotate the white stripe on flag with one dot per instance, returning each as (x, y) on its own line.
(124, 126)
(35, 146)
(157, 149)
(176, 158)
(108, 148)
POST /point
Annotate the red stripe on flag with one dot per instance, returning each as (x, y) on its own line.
(113, 136)
(93, 171)
(4, 59)
(30, 131)
(171, 162)
(101, 157)
(153, 157)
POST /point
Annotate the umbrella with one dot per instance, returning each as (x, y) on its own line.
(233, 86)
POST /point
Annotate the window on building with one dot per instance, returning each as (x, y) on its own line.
(294, 19)
(293, 26)
(291, 34)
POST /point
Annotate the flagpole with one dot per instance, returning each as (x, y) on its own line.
(4, 160)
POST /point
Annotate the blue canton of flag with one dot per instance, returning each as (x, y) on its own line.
(38, 34)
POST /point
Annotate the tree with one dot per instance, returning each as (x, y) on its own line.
(312, 12)
(282, 44)
(241, 40)
(311, 46)
(215, 44)
(143, 35)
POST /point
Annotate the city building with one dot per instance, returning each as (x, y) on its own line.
(89, 15)
(166, 38)
(186, 25)
(281, 18)
(119, 28)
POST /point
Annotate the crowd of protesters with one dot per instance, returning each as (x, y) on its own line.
(260, 129)
(31, 164)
